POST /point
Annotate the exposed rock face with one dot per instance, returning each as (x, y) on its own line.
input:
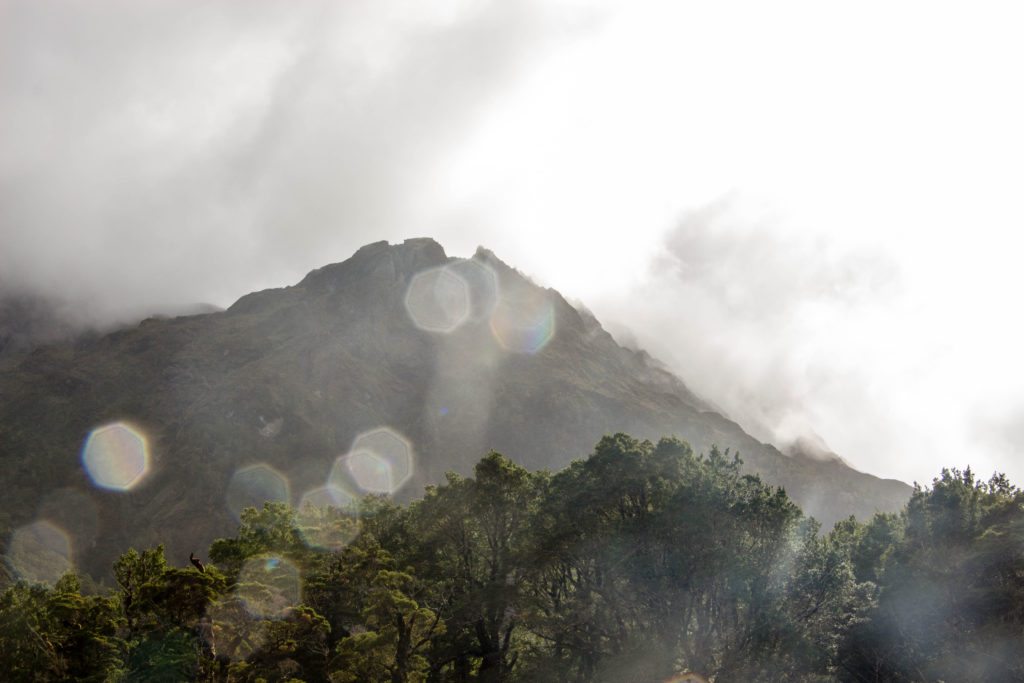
(290, 377)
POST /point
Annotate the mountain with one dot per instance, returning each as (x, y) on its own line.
(448, 358)
(28, 321)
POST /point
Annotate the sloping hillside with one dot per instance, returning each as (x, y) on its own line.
(290, 377)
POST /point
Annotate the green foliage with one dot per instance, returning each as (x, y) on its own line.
(272, 529)
(470, 543)
(950, 602)
(638, 563)
(397, 636)
(652, 560)
(52, 634)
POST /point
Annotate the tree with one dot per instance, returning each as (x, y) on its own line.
(294, 646)
(167, 632)
(636, 564)
(58, 634)
(470, 537)
(951, 592)
(650, 560)
(272, 529)
(398, 632)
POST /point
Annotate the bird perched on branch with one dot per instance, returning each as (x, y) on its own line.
(196, 563)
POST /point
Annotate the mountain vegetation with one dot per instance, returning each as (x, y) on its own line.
(644, 562)
(286, 379)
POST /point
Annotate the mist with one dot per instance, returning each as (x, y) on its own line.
(738, 307)
(165, 154)
(814, 246)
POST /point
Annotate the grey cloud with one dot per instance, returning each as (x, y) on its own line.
(1001, 432)
(755, 272)
(158, 153)
(733, 306)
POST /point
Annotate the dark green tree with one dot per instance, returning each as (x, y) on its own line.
(950, 603)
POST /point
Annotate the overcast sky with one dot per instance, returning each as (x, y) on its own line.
(812, 211)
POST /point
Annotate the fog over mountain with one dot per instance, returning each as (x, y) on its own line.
(837, 226)
(235, 144)
(377, 374)
(358, 340)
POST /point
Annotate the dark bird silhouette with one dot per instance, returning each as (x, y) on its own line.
(196, 563)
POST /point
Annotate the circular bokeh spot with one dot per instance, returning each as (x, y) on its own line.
(255, 485)
(525, 323)
(380, 461)
(437, 300)
(39, 552)
(268, 585)
(328, 518)
(116, 456)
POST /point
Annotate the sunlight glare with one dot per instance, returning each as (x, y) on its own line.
(116, 456)
(437, 300)
(380, 461)
(483, 286)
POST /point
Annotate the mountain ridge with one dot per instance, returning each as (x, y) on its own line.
(289, 377)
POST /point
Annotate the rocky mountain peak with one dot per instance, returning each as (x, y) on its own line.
(379, 264)
(451, 357)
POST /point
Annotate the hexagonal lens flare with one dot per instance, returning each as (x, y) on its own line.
(380, 461)
(255, 485)
(524, 324)
(370, 471)
(268, 585)
(39, 552)
(437, 300)
(116, 456)
(483, 286)
(328, 496)
(328, 518)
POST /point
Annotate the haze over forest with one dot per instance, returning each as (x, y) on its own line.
(821, 200)
(478, 341)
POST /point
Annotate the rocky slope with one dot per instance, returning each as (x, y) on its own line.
(456, 356)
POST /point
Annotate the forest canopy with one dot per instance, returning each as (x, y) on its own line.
(642, 563)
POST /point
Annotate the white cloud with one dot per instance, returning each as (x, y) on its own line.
(158, 153)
